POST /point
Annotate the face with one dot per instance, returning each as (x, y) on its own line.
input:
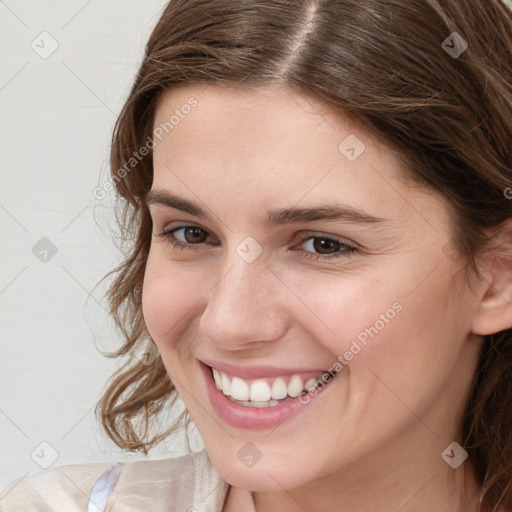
(286, 245)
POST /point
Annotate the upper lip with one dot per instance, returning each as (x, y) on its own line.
(257, 371)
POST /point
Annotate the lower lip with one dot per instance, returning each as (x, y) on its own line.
(252, 418)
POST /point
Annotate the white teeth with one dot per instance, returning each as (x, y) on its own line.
(295, 386)
(279, 390)
(260, 391)
(257, 405)
(239, 389)
(217, 378)
(310, 385)
(226, 385)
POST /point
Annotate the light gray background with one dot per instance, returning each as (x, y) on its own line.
(56, 117)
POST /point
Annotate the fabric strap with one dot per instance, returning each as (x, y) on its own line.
(103, 488)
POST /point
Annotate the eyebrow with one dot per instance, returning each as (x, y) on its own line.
(274, 217)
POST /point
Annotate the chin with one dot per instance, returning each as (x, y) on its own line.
(260, 481)
(264, 476)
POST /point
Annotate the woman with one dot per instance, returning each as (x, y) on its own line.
(318, 211)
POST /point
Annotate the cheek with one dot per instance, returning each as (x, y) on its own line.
(345, 313)
(368, 321)
(168, 299)
(414, 354)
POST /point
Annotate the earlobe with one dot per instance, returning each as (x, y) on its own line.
(494, 313)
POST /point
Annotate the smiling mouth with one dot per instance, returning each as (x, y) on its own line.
(269, 391)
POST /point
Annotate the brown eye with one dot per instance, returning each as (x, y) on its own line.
(325, 248)
(193, 234)
(326, 245)
(187, 237)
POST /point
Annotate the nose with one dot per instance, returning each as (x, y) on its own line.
(245, 308)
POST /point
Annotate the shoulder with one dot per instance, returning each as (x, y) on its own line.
(64, 488)
(190, 480)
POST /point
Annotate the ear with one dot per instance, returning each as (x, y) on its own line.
(494, 312)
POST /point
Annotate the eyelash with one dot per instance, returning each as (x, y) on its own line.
(345, 250)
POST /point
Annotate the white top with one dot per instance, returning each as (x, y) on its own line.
(184, 484)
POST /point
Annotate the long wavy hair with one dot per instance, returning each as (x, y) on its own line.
(398, 68)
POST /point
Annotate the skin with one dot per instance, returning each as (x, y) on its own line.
(373, 439)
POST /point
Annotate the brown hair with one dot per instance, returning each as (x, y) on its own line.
(384, 63)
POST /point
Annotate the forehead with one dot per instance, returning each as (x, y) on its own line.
(272, 145)
(272, 125)
(270, 107)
